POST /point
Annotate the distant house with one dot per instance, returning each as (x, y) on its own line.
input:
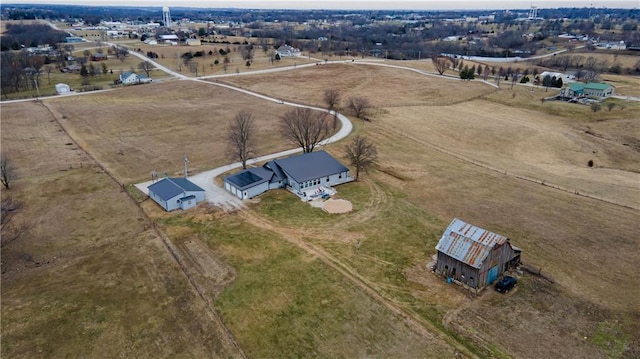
(303, 175)
(74, 68)
(558, 75)
(132, 78)
(287, 51)
(474, 256)
(592, 89)
(98, 57)
(63, 88)
(170, 39)
(176, 193)
(73, 39)
(193, 42)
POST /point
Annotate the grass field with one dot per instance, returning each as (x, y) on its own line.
(359, 279)
(157, 124)
(90, 278)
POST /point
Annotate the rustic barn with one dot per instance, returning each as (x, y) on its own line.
(474, 256)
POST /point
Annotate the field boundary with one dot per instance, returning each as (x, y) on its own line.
(577, 192)
(165, 240)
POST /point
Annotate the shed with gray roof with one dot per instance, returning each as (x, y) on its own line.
(474, 256)
(176, 193)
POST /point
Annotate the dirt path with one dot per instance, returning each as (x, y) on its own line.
(188, 268)
(372, 289)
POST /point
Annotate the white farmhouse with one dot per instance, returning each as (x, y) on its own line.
(131, 78)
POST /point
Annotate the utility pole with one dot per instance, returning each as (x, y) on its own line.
(186, 161)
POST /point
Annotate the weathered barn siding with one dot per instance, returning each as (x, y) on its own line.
(474, 256)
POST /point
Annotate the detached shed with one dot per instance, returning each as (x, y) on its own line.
(474, 256)
(176, 193)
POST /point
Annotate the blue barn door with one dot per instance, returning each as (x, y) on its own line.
(492, 275)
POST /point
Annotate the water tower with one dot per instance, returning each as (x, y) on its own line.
(166, 17)
(533, 12)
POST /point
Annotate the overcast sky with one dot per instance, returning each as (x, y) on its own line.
(349, 4)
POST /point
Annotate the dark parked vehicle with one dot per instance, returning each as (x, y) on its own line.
(506, 284)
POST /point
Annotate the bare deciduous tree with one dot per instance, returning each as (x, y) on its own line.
(304, 127)
(359, 106)
(48, 69)
(10, 229)
(240, 137)
(146, 66)
(441, 63)
(332, 99)
(7, 171)
(362, 154)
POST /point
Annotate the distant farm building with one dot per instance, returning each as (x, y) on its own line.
(98, 57)
(558, 75)
(474, 256)
(63, 88)
(170, 39)
(73, 39)
(303, 175)
(287, 51)
(592, 89)
(193, 42)
(176, 193)
(131, 78)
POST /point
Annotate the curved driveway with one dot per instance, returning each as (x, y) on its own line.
(214, 193)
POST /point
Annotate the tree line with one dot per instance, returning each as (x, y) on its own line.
(18, 36)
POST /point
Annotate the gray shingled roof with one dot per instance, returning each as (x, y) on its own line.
(168, 188)
(310, 166)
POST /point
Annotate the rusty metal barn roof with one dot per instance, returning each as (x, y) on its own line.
(468, 243)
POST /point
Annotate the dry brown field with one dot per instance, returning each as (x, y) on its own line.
(447, 149)
(170, 56)
(138, 129)
(91, 278)
(568, 235)
(381, 85)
